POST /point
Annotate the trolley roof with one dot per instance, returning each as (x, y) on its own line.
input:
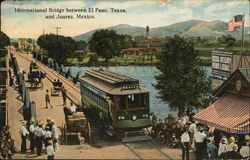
(110, 77)
(111, 82)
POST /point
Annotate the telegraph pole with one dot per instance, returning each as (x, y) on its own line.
(57, 29)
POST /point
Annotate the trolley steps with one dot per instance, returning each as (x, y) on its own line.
(132, 136)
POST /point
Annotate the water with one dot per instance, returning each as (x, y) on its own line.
(145, 74)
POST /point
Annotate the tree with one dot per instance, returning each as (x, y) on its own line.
(181, 81)
(4, 40)
(81, 45)
(58, 47)
(105, 43)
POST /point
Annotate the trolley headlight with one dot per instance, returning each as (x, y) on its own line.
(134, 117)
(121, 117)
(145, 115)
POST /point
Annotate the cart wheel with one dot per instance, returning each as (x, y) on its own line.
(89, 134)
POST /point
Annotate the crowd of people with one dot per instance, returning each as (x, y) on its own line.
(39, 135)
(207, 143)
(7, 146)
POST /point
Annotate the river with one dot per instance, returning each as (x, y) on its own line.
(145, 74)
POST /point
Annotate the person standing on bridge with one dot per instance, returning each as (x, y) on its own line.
(55, 136)
(64, 95)
(24, 132)
(47, 99)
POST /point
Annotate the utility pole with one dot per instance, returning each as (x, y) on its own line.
(57, 28)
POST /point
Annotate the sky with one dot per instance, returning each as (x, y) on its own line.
(152, 13)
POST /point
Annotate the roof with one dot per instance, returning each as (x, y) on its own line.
(109, 77)
(112, 83)
(114, 90)
(230, 113)
(245, 72)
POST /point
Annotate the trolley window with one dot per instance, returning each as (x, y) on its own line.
(133, 100)
(121, 102)
(144, 100)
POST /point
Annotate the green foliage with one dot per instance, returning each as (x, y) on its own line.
(4, 40)
(57, 46)
(181, 81)
(81, 45)
(107, 43)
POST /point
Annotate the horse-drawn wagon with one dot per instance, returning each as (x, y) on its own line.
(74, 124)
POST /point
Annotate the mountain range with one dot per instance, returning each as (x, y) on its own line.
(190, 28)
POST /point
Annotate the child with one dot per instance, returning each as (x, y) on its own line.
(50, 150)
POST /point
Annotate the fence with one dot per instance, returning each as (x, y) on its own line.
(29, 108)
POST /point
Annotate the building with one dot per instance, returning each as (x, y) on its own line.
(224, 64)
(139, 51)
(147, 41)
(78, 54)
(231, 111)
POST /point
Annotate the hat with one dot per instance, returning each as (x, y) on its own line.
(234, 146)
(23, 122)
(48, 119)
(231, 139)
(247, 137)
(40, 123)
(52, 121)
(32, 120)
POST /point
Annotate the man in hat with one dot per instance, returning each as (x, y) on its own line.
(55, 136)
(49, 125)
(109, 106)
(50, 150)
(24, 133)
(199, 138)
(231, 141)
(39, 132)
(185, 140)
(211, 149)
(222, 148)
(47, 99)
(48, 136)
(64, 95)
(233, 154)
(32, 134)
(245, 149)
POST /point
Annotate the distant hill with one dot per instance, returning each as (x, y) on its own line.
(190, 28)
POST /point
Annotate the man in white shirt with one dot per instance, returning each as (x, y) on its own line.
(55, 136)
(50, 150)
(48, 136)
(199, 138)
(185, 140)
(32, 134)
(245, 149)
(39, 132)
(24, 133)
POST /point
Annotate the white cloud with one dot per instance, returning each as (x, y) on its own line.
(214, 8)
(193, 3)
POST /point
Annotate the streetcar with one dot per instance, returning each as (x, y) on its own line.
(119, 103)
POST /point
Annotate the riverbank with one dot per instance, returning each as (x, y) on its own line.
(203, 61)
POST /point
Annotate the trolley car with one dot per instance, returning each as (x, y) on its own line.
(118, 103)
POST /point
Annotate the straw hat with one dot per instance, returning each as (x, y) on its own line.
(52, 121)
(40, 123)
(234, 146)
(32, 120)
(23, 122)
(48, 119)
(247, 137)
(231, 139)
